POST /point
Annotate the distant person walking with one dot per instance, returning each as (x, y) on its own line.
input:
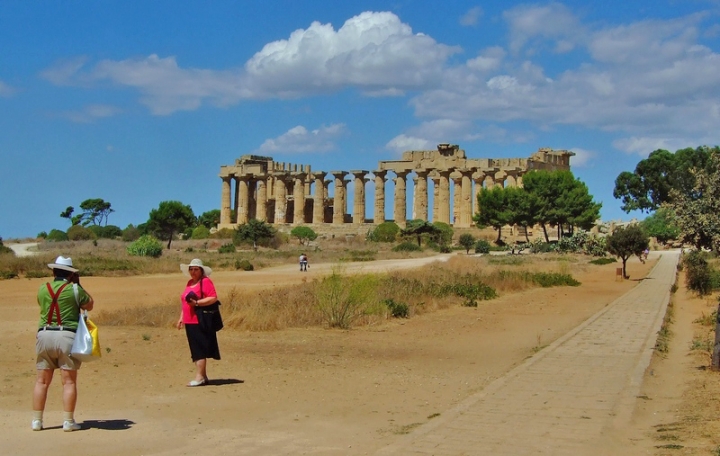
(303, 262)
(199, 292)
(60, 303)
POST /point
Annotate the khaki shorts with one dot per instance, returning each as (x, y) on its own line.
(53, 350)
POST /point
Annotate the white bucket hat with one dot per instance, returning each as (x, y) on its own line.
(195, 263)
(63, 263)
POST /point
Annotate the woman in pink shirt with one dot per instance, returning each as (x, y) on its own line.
(199, 292)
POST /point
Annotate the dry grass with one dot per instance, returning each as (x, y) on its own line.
(423, 290)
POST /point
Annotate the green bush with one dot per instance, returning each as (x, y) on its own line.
(80, 233)
(130, 234)
(245, 265)
(397, 309)
(698, 275)
(554, 279)
(407, 246)
(227, 248)
(225, 233)
(540, 246)
(56, 236)
(146, 245)
(343, 299)
(200, 232)
(5, 275)
(482, 246)
(42, 235)
(384, 232)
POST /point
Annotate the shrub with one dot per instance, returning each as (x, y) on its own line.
(482, 246)
(80, 233)
(397, 309)
(385, 232)
(540, 246)
(554, 279)
(343, 299)
(245, 265)
(698, 275)
(146, 245)
(225, 233)
(407, 246)
(56, 236)
(227, 248)
(130, 234)
(200, 232)
(42, 235)
(5, 275)
(304, 234)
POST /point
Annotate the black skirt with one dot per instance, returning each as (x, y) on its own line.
(202, 344)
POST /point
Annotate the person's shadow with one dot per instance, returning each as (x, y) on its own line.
(224, 381)
(107, 425)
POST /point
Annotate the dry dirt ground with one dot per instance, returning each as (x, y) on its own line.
(303, 391)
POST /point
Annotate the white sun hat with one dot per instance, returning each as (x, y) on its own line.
(63, 263)
(195, 263)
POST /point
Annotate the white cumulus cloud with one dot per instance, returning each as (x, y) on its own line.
(301, 140)
(471, 17)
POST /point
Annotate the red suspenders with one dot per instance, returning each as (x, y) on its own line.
(55, 306)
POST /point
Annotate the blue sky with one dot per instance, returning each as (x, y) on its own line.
(138, 102)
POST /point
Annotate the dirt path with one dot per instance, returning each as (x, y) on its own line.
(309, 391)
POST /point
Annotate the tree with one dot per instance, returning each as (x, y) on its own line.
(650, 185)
(95, 211)
(662, 225)
(625, 242)
(304, 234)
(417, 228)
(384, 232)
(210, 219)
(698, 211)
(494, 210)
(254, 231)
(467, 241)
(169, 218)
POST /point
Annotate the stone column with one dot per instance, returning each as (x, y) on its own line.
(225, 201)
(379, 213)
(299, 199)
(236, 199)
(261, 211)
(490, 181)
(359, 197)
(252, 202)
(511, 180)
(319, 200)
(420, 196)
(466, 199)
(339, 200)
(280, 199)
(444, 197)
(436, 198)
(400, 208)
(243, 199)
(500, 179)
(519, 181)
(457, 195)
(478, 178)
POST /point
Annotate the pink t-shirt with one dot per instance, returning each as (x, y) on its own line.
(188, 311)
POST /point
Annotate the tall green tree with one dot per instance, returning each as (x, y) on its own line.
(467, 241)
(210, 219)
(662, 225)
(170, 218)
(418, 228)
(254, 231)
(304, 234)
(494, 210)
(650, 185)
(625, 242)
(698, 211)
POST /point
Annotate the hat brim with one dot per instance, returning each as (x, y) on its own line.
(62, 266)
(185, 268)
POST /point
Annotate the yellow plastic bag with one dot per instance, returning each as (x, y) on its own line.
(93, 330)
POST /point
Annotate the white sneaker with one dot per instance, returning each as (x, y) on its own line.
(37, 425)
(71, 425)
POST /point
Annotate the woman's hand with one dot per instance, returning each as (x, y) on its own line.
(179, 324)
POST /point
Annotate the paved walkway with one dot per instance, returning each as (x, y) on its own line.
(563, 400)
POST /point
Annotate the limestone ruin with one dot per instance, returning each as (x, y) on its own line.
(291, 194)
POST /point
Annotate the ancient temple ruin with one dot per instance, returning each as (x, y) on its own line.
(291, 194)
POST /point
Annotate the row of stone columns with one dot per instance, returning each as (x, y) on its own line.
(252, 194)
